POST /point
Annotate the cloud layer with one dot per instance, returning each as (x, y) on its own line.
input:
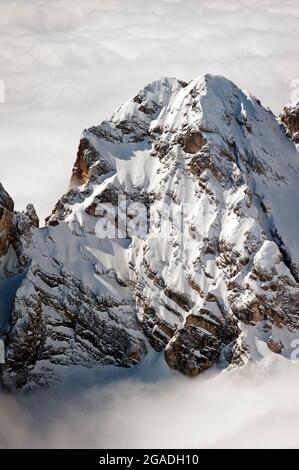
(67, 65)
(253, 408)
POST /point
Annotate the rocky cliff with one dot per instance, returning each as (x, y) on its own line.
(179, 233)
(6, 218)
(290, 119)
(16, 231)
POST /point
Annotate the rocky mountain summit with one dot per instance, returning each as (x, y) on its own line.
(198, 185)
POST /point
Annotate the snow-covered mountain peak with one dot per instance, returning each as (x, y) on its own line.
(147, 104)
(202, 258)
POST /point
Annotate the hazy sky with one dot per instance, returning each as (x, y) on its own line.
(67, 64)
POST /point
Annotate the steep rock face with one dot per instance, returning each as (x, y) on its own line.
(290, 119)
(130, 124)
(70, 318)
(6, 217)
(208, 268)
(25, 224)
(16, 231)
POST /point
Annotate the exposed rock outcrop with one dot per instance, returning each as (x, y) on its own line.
(16, 232)
(6, 221)
(290, 119)
(276, 346)
(25, 224)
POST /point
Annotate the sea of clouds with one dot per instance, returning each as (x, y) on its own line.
(152, 407)
(68, 64)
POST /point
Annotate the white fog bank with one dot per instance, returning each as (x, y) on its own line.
(257, 406)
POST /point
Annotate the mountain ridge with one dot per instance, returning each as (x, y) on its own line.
(204, 295)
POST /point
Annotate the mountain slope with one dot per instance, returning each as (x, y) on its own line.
(205, 264)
